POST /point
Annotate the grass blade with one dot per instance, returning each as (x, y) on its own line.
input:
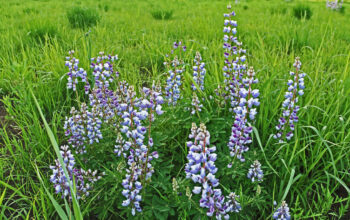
(56, 148)
(58, 208)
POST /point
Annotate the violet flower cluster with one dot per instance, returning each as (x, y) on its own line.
(84, 127)
(102, 95)
(241, 130)
(234, 65)
(196, 104)
(255, 172)
(75, 128)
(286, 123)
(175, 68)
(135, 146)
(129, 114)
(334, 4)
(83, 179)
(282, 212)
(75, 73)
(199, 72)
(201, 169)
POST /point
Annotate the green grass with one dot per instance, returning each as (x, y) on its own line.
(83, 17)
(311, 172)
(162, 14)
(302, 12)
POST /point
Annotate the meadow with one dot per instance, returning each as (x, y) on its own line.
(311, 172)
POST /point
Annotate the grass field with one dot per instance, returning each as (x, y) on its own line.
(311, 172)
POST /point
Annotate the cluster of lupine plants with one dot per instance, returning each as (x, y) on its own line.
(114, 107)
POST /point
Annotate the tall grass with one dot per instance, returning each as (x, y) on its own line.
(312, 172)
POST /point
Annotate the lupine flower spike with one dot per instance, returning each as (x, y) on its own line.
(84, 127)
(175, 69)
(255, 172)
(286, 124)
(241, 129)
(201, 169)
(196, 104)
(199, 72)
(234, 66)
(282, 213)
(83, 179)
(75, 73)
(102, 96)
(135, 147)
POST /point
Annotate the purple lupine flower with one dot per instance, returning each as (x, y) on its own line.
(135, 113)
(286, 123)
(121, 147)
(103, 70)
(282, 212)
(196, 104)
(255, 173)
(75, 128)
(134, 151)
(334, 5)
(232, 204)
(241, 129)
(234, 65)
(75, 73)
(83, 179)
(84, 127)
(201, 169)
(132, 116)
(152, 100)
(175, 69)
(199, 72)
(93, 126)
(102, 95)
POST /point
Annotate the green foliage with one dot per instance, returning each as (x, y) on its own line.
(278, 9)
(103, 7)
(30, 11)
(301, 11)
(106, 8)
(83, 18)
(162, 14)
(43, 33)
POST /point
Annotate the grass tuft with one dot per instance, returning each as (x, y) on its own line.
(83, 17)
(30, 11)
(278, 10)
(162, 14)
(302, 11)
(42, 33)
